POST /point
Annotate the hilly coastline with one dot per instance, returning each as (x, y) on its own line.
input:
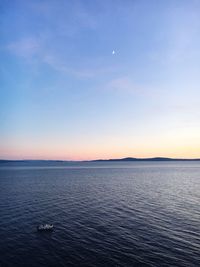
(99, 160)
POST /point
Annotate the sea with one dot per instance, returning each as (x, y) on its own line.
(104, 214)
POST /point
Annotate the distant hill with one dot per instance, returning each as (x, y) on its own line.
(147, 159)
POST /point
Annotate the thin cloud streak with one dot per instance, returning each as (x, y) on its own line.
(26, 47)
(32, 49)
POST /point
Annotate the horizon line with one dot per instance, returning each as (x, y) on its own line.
(103, 159)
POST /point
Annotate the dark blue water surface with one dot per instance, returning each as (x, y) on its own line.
(105, 214)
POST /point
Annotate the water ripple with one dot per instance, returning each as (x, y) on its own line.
(135, 214)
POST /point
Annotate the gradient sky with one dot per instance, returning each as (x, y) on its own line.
(65, 95)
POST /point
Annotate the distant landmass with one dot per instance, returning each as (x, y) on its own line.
(147, 159)
(100, 160)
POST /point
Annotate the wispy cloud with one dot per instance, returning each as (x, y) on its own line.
(122, 84)
(157, 95)
(127, 85)
(80, 72)
(26, 47)
(32, 48)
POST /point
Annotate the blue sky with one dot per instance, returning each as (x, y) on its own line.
(65, 95)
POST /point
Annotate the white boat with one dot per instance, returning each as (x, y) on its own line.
(45, 227)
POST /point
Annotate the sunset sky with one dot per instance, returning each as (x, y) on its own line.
(99, 79)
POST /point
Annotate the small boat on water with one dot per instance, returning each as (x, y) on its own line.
(45, 227)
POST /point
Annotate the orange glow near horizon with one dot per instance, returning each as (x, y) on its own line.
(173, 145)
(98, 153)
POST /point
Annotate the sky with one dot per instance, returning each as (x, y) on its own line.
(96, 79)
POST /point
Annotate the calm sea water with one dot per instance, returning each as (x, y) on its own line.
(105, 214)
